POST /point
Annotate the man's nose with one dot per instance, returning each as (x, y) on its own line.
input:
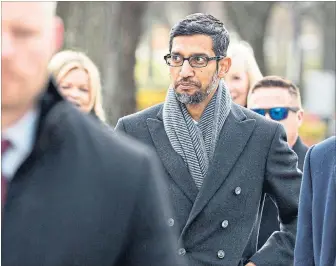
(268, 116)
(186, 70)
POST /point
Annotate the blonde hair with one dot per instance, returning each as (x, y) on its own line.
(65, 61)
(244, 51)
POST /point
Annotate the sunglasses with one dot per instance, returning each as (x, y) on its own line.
(276, 113)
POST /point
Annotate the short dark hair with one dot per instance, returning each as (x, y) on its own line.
(278, 82)
(205, 24)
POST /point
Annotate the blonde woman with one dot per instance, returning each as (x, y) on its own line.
(79, 81)
(244, 72)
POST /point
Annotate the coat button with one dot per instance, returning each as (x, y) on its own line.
(237, 190)
(220, 254)
(225, 223)
(181, 251)
(171, 222)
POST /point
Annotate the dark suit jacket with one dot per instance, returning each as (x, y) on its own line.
(269, 221)
(86, 197)
(316, 237)
(219, 224)
(301, 150)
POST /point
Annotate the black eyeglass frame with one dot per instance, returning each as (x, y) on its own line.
(217, 58)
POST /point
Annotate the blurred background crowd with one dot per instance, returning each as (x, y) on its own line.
(127, 42)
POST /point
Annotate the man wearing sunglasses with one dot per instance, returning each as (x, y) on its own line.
(220, 158)
(278, 99)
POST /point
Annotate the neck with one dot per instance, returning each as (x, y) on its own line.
(196, 110)
(10, 116)
(292, 143)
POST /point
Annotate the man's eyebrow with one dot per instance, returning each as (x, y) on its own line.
(200, 54)
(195, 54)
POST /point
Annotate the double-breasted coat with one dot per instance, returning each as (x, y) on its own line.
(219, 224)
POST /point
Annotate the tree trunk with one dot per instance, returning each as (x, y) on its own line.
(108, 32)
(329, 36)
(195, 7)
(296, 61)
(250, 20)
(324, 14)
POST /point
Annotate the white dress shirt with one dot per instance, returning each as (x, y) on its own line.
(21, 136)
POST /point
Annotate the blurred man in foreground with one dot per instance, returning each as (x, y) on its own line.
(72, 192)
(278, 99)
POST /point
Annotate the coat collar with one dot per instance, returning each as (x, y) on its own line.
(299, 146)
(53, 108)
(300, 149)
(171, 160)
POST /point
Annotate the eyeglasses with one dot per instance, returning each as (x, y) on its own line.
(276, 113)
(197, 61)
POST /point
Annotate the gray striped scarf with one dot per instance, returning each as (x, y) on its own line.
(196, 143)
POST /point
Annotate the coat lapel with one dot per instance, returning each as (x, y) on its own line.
(172, 161)
(234, 136)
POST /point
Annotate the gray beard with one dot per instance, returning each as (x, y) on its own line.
(198, 96)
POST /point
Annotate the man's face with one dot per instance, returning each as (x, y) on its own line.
(193, 85)
(30, 35)
(279, 97)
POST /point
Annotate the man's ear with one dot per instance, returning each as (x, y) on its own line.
(300, 116)
(58, 34)
(224, 66)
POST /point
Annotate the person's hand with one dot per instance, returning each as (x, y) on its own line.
(250, 264)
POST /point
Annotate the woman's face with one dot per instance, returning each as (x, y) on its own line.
(238, 82)
(75, 87)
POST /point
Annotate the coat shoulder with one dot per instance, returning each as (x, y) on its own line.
(101, 142)
(150, 112)
(327, 146)
(324, 152)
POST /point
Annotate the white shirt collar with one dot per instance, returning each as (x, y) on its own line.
(21, 136)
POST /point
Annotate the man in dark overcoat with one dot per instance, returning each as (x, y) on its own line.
(220, 159)
(72, 192)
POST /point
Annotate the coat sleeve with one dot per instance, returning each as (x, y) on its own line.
(282, 183)
(153, 242)
(303, 255)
